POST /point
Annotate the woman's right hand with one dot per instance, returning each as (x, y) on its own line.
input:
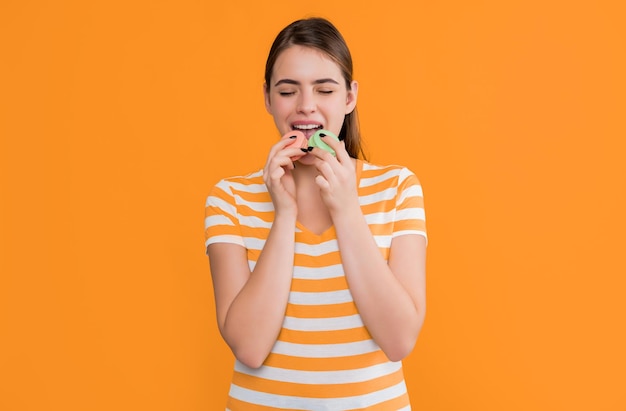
(278, 178)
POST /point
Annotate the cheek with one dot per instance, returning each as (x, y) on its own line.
(281, 107)
(338, 111)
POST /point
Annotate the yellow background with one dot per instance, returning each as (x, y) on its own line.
(116, 118)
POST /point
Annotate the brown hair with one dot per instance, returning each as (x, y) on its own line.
(320, 34)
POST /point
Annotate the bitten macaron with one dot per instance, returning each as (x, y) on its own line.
(317, 140)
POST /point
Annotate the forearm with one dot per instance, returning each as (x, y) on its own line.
(388, 311)
(255, 316)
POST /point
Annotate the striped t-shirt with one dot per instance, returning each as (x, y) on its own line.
(324, 357)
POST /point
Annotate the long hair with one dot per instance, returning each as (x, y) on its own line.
(321, 34)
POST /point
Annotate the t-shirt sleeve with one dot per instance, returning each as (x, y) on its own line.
(221, 221)
(410, 216)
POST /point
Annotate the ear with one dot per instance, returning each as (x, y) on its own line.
(352, 97)
(266, 95)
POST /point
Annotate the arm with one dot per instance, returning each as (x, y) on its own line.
(250, 307)
(390, 295)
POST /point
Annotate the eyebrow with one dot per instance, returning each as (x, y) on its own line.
(297, 83)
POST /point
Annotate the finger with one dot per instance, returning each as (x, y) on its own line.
(278, 147)
(283, 158)
(322, 154)
(278, 162)
(338, 146)
(322, 183)
(342, 154)
(296, 152)
(326, 170)
(277, 173)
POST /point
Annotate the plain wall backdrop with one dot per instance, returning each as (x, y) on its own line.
(117, 117)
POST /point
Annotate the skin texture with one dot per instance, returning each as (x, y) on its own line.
(319, 192)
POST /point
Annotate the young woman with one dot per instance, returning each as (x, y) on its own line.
(318, 264)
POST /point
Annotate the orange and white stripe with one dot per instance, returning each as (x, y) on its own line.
(324, 357)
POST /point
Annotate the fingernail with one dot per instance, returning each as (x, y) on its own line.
(304, 150)
(293, 136)
(322, 135)
(310, 149)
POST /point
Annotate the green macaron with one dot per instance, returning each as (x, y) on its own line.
(317, 140)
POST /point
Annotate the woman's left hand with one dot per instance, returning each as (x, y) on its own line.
(337, 178)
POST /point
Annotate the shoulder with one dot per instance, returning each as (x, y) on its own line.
(242, 181)
(387, 175)
(252, 182)
(227, 190)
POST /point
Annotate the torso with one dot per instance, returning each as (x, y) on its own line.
(324, 357)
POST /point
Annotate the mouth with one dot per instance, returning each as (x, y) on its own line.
(307, 128)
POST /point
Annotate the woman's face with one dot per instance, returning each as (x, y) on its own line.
(308, 92)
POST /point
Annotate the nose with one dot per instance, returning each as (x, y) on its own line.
(306, 103)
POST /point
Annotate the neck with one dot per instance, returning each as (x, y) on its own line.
(304, 173)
